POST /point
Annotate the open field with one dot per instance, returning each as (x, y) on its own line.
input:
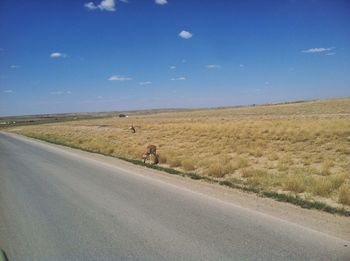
(12, 121)
(298, 149)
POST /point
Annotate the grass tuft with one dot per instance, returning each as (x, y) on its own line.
(188, 165)
(322, 187)
(295, 183)
(326, 166)
(344, 195)
(216, 170)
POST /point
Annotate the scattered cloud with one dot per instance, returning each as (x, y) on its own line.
(241, 65)
(8, 91)
(178, 79)
(105, 5)
(267, 83)
(102, 99)
(331, 53)
(160, 2)
(108, 5)
(145, 83)
(90, 6)
(60, 92)
(13, 66)
(119, 78)
(185, 35)
(317, 50)
(172, 67)
(124, 1)
(57, 55)
(213, 66)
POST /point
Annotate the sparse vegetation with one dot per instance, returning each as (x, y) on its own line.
(216, 170)
(188, 165)
(322, 187)
(327, 164)
(344, 195)
(295, 183)
(299, 149)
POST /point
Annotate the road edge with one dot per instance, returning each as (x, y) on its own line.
(327, 223)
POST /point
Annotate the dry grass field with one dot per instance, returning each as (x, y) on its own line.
(296, 148)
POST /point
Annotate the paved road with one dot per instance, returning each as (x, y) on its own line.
(57, 205)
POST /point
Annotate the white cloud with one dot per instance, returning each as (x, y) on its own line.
(331, 53)
(178, 79)
(160, 2)
(57, 55)
(107, 5)
(60, 92)
(172, 67)
(13, 66)
(267, 83)
(119, 78)
(8, 91)
(241, 65)
(90, 6)
(145, 83)
(185, 35)
(317, 50)
(124, 1)
(213, 66)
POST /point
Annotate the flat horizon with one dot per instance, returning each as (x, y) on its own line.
(181, 108)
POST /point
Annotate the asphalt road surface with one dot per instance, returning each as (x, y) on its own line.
(57, 205)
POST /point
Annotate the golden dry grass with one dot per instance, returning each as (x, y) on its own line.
(301, 148)
(344, 195)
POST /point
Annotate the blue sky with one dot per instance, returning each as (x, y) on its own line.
(75, 55)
